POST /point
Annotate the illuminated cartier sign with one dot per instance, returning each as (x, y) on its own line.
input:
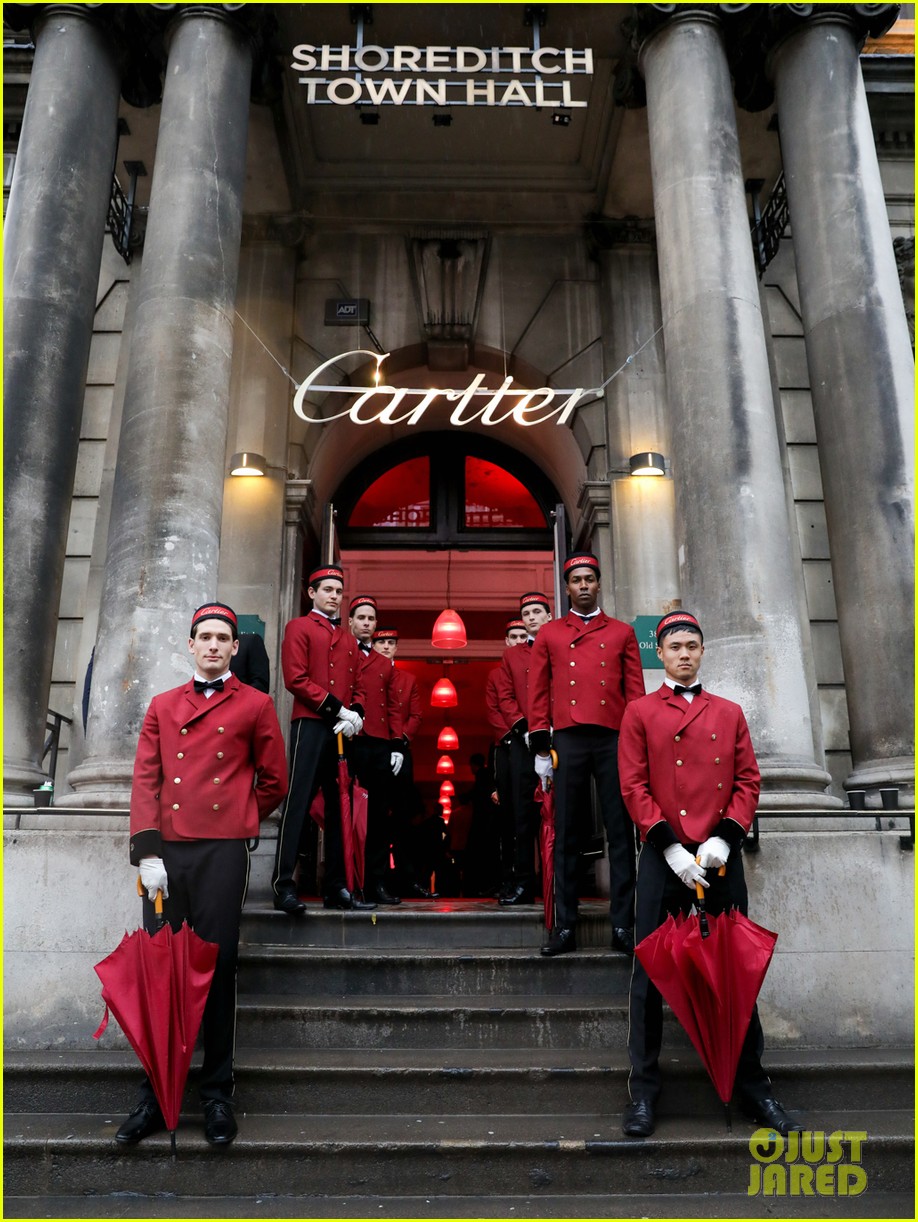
(440, 76)
(379, 404)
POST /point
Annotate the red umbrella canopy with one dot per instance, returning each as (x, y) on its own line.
(156, 986)
(545, 798)
(711, 984)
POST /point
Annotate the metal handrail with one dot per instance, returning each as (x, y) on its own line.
(53, 742)
(752, 845)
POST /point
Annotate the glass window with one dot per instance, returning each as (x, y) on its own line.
(399, 498)
(495, 498)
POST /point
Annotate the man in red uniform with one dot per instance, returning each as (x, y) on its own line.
(406, 801)
(496, 692)
(535, 611)
(584, 670)
(377, 749)
(690, 782)
(321, 665)
(210, 766)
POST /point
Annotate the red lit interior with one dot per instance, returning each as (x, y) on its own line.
(495, 498)
(398, 498)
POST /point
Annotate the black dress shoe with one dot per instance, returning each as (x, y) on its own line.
(383, 897)
(219, 1122)
(422, 893)
(145, 1119)
(560, 941)
(638, 1120)
(289, 903)
(359, 904)
(519, 895)
(339, 899)
(769, 1114)
(623, 940)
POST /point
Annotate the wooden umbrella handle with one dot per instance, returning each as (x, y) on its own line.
(157, 903)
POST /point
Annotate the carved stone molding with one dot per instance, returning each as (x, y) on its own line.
(448, 269)
(607, 233)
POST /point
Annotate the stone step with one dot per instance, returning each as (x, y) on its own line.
(421, 925)
(269, 1205)
(457, 973)
(542, 1021)
(457, 1081)
(409, 1154)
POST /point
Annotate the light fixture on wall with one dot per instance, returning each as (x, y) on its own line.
(648, 462)
(448, 739)
(445, 766)
(442, 120)
(247, 462)
(447, 789)
(369, 118)
(449, 630)
(561, 119)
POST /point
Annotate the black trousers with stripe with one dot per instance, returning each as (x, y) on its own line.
(313, 765)
(207, 886)
(660, 891)
(523, 782)
(585, 751)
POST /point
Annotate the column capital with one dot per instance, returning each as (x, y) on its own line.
(752, 33)
(595, 505)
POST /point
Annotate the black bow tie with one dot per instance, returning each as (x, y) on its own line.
(366, 648)
(586, 618)
(210, 685)
(693, 690)
(335, 623)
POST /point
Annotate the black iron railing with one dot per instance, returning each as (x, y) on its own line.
(769, 223)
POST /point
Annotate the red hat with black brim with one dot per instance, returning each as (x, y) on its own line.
(678, 619)
(581, 560)
(215, 611)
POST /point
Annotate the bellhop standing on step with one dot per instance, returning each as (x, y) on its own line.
(691, 783)
(210, 765)
(583, 671)
(321, 664)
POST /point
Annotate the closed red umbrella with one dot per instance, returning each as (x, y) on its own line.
(359, 802)
(710, 982)
(347, 823)
(545, 799)
(156, 985)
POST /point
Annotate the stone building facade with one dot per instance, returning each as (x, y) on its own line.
(708, 225)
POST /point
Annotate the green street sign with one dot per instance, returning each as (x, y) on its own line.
(251, 623)
(645, 629)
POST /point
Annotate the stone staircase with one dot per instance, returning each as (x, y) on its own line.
(426, 1061)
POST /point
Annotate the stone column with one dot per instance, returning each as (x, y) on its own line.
(167, 498)
(732, 527)
(862, 375)
(53, 234)
(643, 527)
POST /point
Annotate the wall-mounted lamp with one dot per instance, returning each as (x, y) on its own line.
(248, 463)
(561, 119)
(442, 120)
(648, 462)
(369, 118)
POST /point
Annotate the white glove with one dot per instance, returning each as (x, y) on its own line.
(353, 717)
(396, 759)
(344, 727)
(544, 770)
(526, 739)
(713, 852)
(153, 876)
(681, 862)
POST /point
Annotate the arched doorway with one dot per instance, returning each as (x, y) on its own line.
(447, 519)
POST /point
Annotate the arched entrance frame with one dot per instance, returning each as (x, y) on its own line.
(342, 445)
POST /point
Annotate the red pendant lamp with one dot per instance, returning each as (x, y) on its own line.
(449, 630)
(445, 766)
(443, 695)
(448, 740)
(447, 789)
